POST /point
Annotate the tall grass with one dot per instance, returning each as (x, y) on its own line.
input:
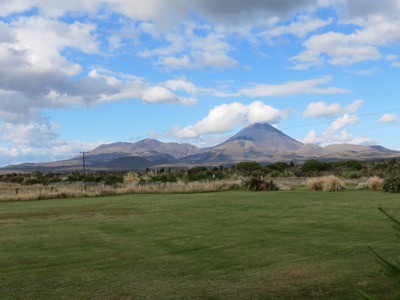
(329, 183)
(79, 190)
(375, 183)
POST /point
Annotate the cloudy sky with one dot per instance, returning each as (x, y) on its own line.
(79, 73)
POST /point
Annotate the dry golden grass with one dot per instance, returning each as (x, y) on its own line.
(314, 183)
(329, 183)
(375, 183)
(32, 193)
(332, 183)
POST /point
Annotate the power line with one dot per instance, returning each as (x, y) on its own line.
(83, 160)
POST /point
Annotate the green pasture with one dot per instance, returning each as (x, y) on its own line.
(227, 245)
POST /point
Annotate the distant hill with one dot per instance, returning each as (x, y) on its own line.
(259, 142)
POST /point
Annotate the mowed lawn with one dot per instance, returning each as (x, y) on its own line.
(227, 245)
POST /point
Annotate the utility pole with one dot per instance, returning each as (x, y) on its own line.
(83, 160)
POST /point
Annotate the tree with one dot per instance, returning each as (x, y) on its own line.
(248, 167)
(313, 165)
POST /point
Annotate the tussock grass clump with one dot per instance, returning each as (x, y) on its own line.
(375, 183)
(314, 184)
(329, 183)
(332, 183)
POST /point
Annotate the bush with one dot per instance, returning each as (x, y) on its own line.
(392, 184)
(257, 184)
(375, 183)
(314, 184)
(332, 184)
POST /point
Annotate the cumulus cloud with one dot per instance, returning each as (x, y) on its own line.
(31, 134)
(38, 141)
(322, 109)
(224, 118)
(334, 138)
(336, 132)
(342, 122)
(388, 118)
(311, 86)
(378, 26)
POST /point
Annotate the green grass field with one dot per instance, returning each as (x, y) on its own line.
(228, 245)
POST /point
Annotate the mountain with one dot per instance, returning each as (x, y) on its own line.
(265, 135)
(146, 147)
(259, 142)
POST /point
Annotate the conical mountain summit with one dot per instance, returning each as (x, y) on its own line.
(266, 135)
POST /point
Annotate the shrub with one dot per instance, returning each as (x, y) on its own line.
(375, 183)
(332, 183)
(392, 184)
(131, 177)
(352, 174)
(314, 184)
(258, 184)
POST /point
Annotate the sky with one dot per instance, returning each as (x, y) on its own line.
(80, 73)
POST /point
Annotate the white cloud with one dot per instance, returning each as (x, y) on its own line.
(226, 117)
(392, 57)
(322, 109)
(388, 118)
(336, 133)
(158, 94)
(342, 122)
(37, 135)
(329, 139)
(310, 86)
(181, 85)
(367, 72)
(35, 142)
(376, 24)
(300, 28)
(396, 64)
(188, 49)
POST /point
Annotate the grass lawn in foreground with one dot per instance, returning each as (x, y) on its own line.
(228, 245)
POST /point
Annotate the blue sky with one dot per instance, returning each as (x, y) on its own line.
(76, 74)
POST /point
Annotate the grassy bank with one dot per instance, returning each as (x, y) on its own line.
(274, 245)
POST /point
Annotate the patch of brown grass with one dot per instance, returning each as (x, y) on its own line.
(314, 183)
(375, 183)
(332, 183)
(78, 190)
(329, 183)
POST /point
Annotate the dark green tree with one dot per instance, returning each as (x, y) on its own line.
(313, 165)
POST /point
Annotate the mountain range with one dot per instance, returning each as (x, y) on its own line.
(259, 142)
